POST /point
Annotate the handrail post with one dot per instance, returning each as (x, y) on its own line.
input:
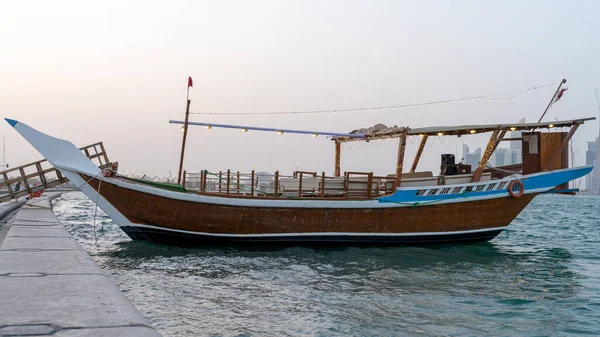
(183, 179)
(201, 181)
(252, 184)
(220, 178)
(25, 181)
(300, 186)
(238, 182)
(104, 152)
(59, 175)
(228, 178)
(346, 183)
(369, 185)
(338, 155)
(323, 185)
(41, 173)
(204, 184)
(8, 187)
(276, 188)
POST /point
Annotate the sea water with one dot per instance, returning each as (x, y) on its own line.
(540, 277)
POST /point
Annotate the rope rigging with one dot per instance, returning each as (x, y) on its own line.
(489, 98)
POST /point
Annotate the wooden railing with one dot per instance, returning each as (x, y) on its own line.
(353, 185)
(40, 175)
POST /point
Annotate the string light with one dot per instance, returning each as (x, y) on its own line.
(280, 132)
(489, 98)
(208, 127)
(551, 125)
(473, 131)
(244, 130)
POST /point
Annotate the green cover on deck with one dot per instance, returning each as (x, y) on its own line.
(157, 184)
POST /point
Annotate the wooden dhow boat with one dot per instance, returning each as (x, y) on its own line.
(457, 205)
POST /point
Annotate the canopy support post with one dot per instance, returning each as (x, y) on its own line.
(562, 146)
(500, 138)
(338, 154)
(418, 155)
(400, 161)
(490, 148)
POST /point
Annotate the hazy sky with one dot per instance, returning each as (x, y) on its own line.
(116, 71)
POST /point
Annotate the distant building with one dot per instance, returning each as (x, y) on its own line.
(514, 144)
(504, 156)
(590, 158)
(500, 157)
(471, 158)
(465, 149)
(515, 156)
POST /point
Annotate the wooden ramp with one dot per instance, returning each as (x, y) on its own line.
(41, 175)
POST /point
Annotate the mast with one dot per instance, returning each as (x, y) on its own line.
(185, 128)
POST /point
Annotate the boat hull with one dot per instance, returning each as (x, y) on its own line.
(411, 215)
(184, 238)
(182, 222)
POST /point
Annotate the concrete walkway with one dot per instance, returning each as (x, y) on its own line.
(49, 286)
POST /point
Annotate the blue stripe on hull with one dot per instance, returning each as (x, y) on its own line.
(531, 182)
(168, 237)
(554, 178)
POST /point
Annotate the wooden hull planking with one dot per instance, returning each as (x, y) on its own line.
(190, 221)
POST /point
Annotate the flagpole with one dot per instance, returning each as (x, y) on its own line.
(552, 100)
(185, 128)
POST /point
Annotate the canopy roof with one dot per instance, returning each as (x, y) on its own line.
(380, 131)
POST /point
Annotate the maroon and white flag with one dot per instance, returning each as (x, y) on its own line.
(191, 84)
(559, 95)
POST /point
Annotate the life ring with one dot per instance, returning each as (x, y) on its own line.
(517, 194)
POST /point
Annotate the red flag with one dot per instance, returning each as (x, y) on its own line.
(559, 95)
(190, 83)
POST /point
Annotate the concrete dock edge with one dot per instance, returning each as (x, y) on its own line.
(50, 286)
